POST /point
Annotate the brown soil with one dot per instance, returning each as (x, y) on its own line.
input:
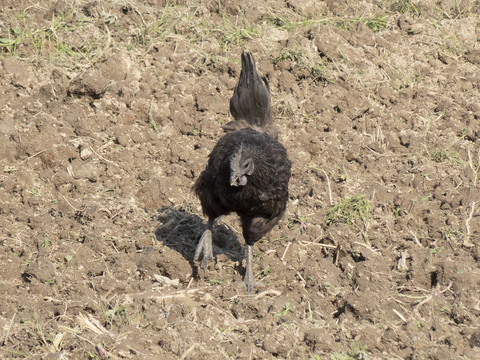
(98, 224)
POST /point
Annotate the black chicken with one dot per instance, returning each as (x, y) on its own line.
(248, 169)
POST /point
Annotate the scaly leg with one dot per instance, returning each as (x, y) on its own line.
(205, 246)
(249, 278)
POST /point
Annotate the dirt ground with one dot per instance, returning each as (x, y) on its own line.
(108, 111)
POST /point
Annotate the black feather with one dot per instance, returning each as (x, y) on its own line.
(250, 103)
(248, 169)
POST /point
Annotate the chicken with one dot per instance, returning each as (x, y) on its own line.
(248, 170)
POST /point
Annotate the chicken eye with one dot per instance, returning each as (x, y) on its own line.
(246, 164)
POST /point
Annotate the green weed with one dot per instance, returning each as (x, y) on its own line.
(319, 74)
(290, 55)
(267, 270)
(43, 243)
(289, 24)
(61, 38)
(116, 314)
(440, 155)
(349, 209)
(403, 6)
(232, 34)
(11, 43)
(286, 310)
(375, 23)
(317, 71)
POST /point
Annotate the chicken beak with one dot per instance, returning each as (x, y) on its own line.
(238, 180)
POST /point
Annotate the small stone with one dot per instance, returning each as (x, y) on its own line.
(85, 153)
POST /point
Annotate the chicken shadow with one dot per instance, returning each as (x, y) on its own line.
(181, 230)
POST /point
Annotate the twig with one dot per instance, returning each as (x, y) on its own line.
(92, 324)
(105, 48)
(447, 288)
(190, 282)
(36, 154)
(100, 350)
(383, 155)
(329, 188)
(398, 301)
(138, 13)
(337, 254)
(301, 277)
(399, 315)
(76, 333)
(150, 119)
(373, 196)
(474, 169)
(467, 222)
(305, 243)
(101, 157)
(430, 297)
(189, 350)
(9, 328)
(107, 294)
(285, 252)
(53, 300)
(466, 241)
(68, 202)
(416, 239)
(268, 292)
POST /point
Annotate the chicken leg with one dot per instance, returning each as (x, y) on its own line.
(249, 278)
(205, 246)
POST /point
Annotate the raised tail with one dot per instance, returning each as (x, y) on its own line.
(250, 103)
